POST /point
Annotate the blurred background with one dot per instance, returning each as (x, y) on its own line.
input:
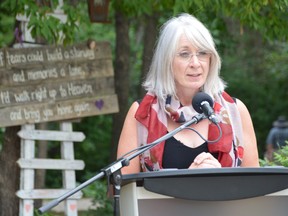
(250, 35)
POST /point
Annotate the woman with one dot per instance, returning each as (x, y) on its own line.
(186, 62)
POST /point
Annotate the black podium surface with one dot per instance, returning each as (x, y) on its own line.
(217, 184)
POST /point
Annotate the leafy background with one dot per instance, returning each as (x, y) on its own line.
(251, 37)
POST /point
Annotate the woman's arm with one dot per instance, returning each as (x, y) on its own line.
(250, 158)
(128, 140)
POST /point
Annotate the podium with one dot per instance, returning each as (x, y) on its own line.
(217, 192)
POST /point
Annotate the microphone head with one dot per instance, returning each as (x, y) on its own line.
(198, 99)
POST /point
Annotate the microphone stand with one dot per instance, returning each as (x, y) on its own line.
(113, 171)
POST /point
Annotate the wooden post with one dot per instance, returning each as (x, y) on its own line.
(27, 175)
(69, 178)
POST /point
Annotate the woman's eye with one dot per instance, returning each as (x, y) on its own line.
(185, 55)
(202, 53)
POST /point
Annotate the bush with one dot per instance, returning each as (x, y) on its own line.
(104, 204)
(280, 158)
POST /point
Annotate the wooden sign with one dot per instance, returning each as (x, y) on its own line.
(51, 83)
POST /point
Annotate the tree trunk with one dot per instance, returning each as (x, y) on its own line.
(9, 172)
(41, 173)
(121, 69)
(150, 35)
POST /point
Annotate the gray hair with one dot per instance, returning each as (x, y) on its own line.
(160, 80)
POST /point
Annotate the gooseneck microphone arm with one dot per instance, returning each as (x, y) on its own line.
(113, 170)
(202, 103)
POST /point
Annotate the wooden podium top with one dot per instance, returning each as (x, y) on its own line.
(215, 184)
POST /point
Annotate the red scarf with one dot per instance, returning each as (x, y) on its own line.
(153, 125)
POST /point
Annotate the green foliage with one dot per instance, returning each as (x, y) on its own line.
(259, 15)
(43, 22)
(280, 158)
(104, 204)
(256, 73)
(137, 8)
(37, 213)
(6, 32)
(95, 31)
(94, 150)
(267, 17)
(53, 179)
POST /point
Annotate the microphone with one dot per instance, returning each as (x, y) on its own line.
(203, 103)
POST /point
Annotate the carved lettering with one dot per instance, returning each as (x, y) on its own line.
(39, 94)
(32, 115)
(65, 110)
(47, 113)
(63, 91)
(52, 93)
(52, 83)
(16, 59)
(76, 53)
(22, 97)
(56, 55)
(75, 71)
(19, 77)
(42, 74)
(5, 97)
(16, 115)
(35, 57)
(77, 90)
(82, 107)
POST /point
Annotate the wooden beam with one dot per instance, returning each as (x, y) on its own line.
(46, 194)
(51, 135)
(55, 164)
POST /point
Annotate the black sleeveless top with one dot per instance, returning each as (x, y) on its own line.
(179, 156)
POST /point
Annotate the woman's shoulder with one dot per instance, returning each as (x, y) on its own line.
(134, 106)
(242, 108)
(240, 103)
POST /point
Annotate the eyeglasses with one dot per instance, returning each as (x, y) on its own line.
(201, 55)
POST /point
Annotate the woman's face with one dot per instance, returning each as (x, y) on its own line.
(190, 71)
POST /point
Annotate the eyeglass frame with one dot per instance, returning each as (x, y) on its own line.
(189, 55)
